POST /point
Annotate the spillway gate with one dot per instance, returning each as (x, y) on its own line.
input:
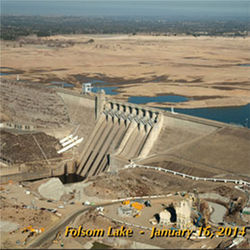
(122, 129)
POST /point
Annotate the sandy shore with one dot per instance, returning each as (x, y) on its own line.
(205, 69)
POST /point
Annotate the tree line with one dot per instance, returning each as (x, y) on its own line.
(13, 27)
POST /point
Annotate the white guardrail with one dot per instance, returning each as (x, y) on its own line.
(142, 197)
(241, 182)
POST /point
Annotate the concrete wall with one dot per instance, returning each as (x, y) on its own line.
(123, 131)
(116, 163)
(81, 110)
(77, 99)
(200, 126)
(152, 137)
(146, 120)
(17, 126)
(26, 176)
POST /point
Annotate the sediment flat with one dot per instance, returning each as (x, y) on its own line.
(208, 70)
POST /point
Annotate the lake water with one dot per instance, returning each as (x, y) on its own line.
(164, 98)
(244, 65)
(173, 10)
(239, 116)
(108, 90)
(234, 115)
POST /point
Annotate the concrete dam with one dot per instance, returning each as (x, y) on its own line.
(123, 131)
(117, 132)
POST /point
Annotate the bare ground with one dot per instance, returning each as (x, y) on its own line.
(25, 102)
(140, 182)
(205, 69)
(23, 148)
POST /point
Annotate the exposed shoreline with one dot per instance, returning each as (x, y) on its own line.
(204, 69)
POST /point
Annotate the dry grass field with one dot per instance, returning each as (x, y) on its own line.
(206, 69)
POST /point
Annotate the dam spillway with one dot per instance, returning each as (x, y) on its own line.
(115, 132)
(122, 130)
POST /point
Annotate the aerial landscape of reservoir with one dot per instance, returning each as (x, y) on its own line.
(125, 124)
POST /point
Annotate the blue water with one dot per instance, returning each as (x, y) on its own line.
(108, 90)
(239, 116)
(174, 10)
(93, 81)
(4, 74)
(165, 98)
(99, 84)
(244, 65)
(234, 115)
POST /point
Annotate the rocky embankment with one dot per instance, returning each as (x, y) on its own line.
(30, 103)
